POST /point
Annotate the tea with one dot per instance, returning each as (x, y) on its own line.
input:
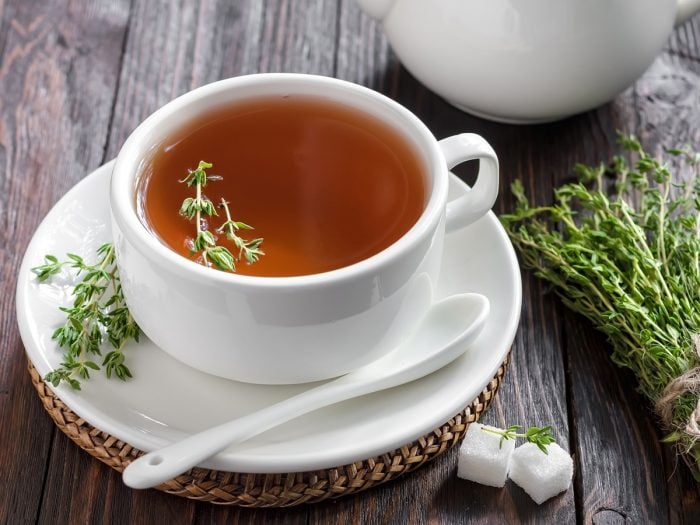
(325, 185)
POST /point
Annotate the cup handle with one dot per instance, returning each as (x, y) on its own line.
(475, 203)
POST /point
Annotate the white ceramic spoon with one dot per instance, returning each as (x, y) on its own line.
(443, 335)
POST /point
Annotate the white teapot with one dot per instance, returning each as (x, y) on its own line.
(526, 61)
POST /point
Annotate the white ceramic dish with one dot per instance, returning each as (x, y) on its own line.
(166, 400)
(527, 61)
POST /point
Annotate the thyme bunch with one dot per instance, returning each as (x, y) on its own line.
(98, 313)
(626, 256)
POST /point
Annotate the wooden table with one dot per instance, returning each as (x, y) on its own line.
(77, 76)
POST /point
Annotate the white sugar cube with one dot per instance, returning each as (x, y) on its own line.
(482, 457)
(541, 475)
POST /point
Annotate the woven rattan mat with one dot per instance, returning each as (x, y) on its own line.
(274, 490)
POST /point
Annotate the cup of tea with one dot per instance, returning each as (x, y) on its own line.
(347, 188)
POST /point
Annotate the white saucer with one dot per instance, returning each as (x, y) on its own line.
(167, 400)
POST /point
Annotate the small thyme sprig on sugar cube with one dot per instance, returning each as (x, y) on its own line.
(540, 436)
(205, 241)
(250, 250)
(98, 312)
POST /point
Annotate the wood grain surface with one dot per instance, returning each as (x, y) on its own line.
(76, 77)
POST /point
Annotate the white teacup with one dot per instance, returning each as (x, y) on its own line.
(277, 330)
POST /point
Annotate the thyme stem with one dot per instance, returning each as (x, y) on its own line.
(540, 436)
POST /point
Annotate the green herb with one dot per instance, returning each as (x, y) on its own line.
(205, 242)
(99, 312)
(627, 258)
(250, 250)
(540, 436)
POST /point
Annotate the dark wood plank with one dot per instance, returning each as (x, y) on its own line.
(177, 46)
(534, 392)
(623, 472)
(363, 55)
(299, 37)
(174, 47)
(212, 515)
(620, 469)
(80, 489)
(662, 106)
(57, 79)
(680, 97)
(405, 500)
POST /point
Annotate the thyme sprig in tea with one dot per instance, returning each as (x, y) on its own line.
(627, 258)
(98, 313)
(205, 241)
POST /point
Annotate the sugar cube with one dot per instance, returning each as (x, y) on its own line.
(541, 475)
(483, 457)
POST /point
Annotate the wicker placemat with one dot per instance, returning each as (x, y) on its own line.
(274, 490)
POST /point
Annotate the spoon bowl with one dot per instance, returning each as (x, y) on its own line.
(443, 335)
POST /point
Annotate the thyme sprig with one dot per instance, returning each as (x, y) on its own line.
(622, 247)
(250, 250)
(98, 313)
(540, 436)
(205, 242)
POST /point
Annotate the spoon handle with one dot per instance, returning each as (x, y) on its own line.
(159, 466)
(458, 319)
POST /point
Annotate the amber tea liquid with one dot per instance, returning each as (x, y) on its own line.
(325, 185)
